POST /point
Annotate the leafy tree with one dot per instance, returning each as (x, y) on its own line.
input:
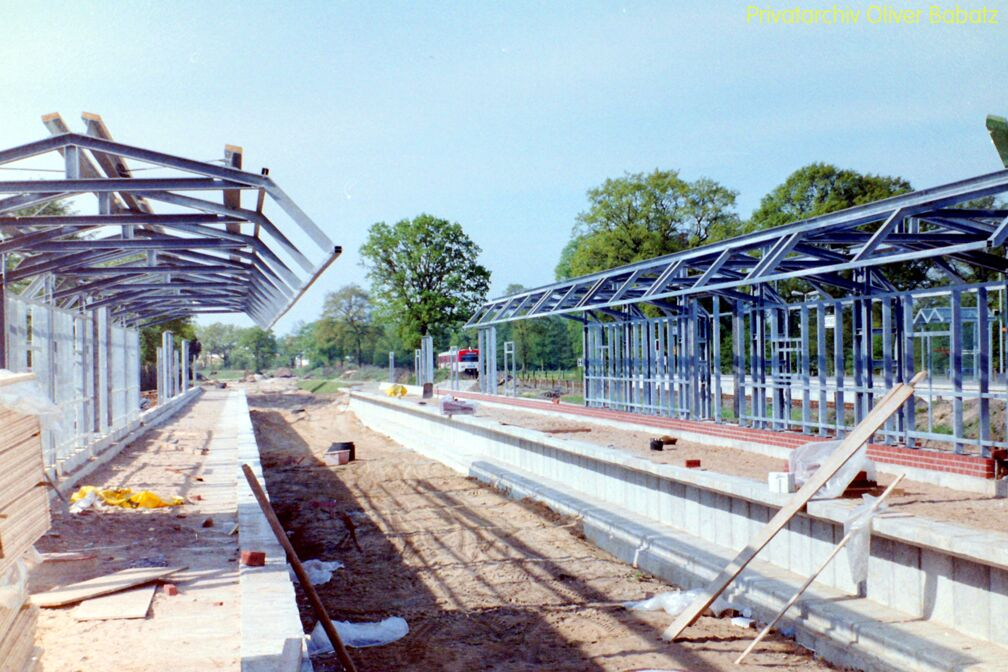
(350, 309)
(150, 337)
(821, 188)
(219, 340)
(289, 350)
(260, 344)
(425, 277)
(641, 216)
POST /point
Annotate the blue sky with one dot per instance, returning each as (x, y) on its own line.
(501, 115)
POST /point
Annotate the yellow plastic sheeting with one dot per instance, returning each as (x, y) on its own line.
(125, 498)
(396, 391)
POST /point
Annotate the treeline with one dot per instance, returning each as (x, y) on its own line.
(425, 277)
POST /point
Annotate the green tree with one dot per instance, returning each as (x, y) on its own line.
(821, 188)
(646, 215)
(260, 344)
(150, 337)
(220, 340)
(349, 308)
(425, 277)
(291, 348)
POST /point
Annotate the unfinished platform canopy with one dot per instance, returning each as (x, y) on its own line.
(126, 237)
(193, 253)
(798, 327)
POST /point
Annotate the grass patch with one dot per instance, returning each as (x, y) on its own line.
(319, 386)
(225, 374)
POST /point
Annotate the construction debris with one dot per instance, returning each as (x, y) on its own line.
(451, 406)
(565, 430)
(88, 496)
(102, 585)
(253, 558)
(883, 410)
(125, 605)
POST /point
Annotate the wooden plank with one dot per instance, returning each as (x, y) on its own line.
(22, 524)
(808, 582)
(102, 585)
(857, 437)
(16, 430)
(128, 604)
(18, 644)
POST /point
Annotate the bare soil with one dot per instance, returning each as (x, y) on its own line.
(485, 583)
(923, 499)
(194, 631)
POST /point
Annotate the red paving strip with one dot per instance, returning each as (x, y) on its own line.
(967, 465)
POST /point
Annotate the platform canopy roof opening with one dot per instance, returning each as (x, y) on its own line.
(173, 242)
(848, 249)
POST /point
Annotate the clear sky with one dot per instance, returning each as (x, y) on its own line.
(501, 115)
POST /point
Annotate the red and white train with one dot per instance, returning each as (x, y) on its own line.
(466, 362)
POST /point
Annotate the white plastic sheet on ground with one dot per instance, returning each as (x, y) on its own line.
(88, 501)
(358, 635)
(319, 571)
(674, 602)
(859, 546)
(806, 459)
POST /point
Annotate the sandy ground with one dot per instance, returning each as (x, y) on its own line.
(923, 499)
(484, 582)
(196, 630)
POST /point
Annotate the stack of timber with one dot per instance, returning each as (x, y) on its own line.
(24, 518)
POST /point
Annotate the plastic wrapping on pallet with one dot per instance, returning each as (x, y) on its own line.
(806, 459)
(27, 398)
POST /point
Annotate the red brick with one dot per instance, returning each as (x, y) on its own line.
(170, 589)
(253, 558)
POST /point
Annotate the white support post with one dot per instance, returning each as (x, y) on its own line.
(185, 366)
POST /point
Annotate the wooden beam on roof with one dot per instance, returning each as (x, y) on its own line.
(55, 124)
(232, 197)
(113, 166)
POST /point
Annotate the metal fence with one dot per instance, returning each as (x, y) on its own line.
(816, 365)
(86, 366)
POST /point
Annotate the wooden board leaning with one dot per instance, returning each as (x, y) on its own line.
(857, 437)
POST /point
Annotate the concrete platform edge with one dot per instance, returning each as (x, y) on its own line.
(272, 639)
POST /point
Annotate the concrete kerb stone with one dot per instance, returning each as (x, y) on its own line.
(270, 622)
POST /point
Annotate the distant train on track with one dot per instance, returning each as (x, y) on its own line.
(467, 361)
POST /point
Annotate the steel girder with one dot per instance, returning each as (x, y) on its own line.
(148, 266)
(848, 249)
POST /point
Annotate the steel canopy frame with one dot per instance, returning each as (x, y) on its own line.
(824, 250)
(147, 266)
